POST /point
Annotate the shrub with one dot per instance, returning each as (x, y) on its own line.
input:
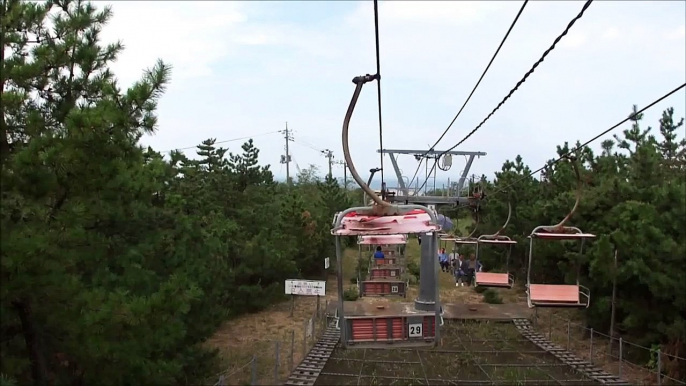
(351, 294)
(492, 297)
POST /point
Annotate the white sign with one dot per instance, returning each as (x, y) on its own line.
(415, 330)
(392, 273)
(394, 289)
(305, 287)
(326, 263)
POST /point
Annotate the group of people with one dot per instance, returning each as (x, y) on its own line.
(455, 263)
(462, 269)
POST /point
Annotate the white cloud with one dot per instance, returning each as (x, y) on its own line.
(191, 36)
(678, 33)
(264, 72)
(611, 33)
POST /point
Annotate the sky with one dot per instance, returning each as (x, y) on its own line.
(244, 69)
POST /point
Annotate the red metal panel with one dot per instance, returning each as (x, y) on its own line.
(429, 327)
(382, 288)
(373, 329)
(384, 261)
(362, 329)
(398, 329)
(385, 273)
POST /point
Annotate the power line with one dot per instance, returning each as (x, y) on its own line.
(378, 83)
(224, 141)
(533, 68)
(623, 121)
(481, 78)
(307, 144)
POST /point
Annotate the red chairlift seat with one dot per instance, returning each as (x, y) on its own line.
(491, 279)
(557, 295)
(494, 279)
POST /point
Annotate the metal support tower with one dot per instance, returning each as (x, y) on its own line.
(415, 198)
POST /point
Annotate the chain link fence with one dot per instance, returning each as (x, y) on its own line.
(632, 362)
(273, 359)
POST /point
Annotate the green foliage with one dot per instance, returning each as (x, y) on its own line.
(491, 297)
(351, 294)
(118, 263)
(413, 268)
(480, 289)
(634, 200)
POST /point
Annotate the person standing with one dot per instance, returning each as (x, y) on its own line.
(460, 269)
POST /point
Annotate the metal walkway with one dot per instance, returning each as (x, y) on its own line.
(312, 365)
(584, 367)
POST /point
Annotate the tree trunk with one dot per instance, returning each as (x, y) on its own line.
(38, 366)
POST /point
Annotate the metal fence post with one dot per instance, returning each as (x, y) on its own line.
(659, 367)
(276, 362)
(305, 340)
(550, 327)
(591, 353)
(568, 334)
(253, 371)
(292, 348)
(620, 357)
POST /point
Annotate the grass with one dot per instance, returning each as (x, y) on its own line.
(579, 342)
(481, 351)
(240, 338)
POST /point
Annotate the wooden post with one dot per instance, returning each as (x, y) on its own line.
(292, 304)
(292, 348)
(614, 298)
(276, 363)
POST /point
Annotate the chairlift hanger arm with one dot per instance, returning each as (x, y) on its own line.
(359, 82)
(502, 228)
(560, 227)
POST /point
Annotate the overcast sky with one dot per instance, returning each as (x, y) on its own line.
(245, 68)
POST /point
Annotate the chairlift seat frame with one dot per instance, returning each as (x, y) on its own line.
(557, 295)
(495, 279)
(363, 223)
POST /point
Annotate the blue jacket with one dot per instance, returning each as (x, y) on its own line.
(379, 255)
(443, 258)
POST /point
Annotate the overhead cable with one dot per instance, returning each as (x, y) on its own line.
(533, 68)
(378, 84)
(623, 121)
(480, 78)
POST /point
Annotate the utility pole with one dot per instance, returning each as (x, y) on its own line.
(287, 158)
(345, 172)
(329, 154)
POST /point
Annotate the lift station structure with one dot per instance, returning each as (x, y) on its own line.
(409, 195)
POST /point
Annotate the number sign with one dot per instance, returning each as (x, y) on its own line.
(394, 289)
(415, 330)
(392, 273)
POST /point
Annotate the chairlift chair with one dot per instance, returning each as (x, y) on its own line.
(493, 279)
(382, 218)
(559, 295)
